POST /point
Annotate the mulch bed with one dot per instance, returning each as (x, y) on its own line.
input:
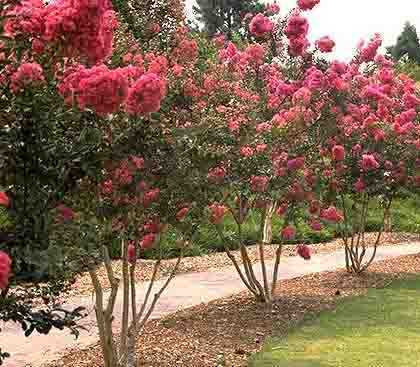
(144, 269)
(227, 331)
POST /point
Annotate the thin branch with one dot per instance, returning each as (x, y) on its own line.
(99, 311)
(276, 270)
(162, 289)
(126, 296)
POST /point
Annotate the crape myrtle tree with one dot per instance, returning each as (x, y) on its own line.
(253, 108)
(45, 150)
(370, 150)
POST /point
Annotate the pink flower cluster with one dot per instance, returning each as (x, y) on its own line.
(259, 183)
(4, 199)
(27, 75)
(260, 25)
(332, 214)
(217, 212)
(325, 44)
(297, 31)
(307, 4)
(86, 26)
(82, 27)
(106, 90)
(5, 269)
(99, 88)
(146, 94)
(288, 233)
(304, 252)
(65, 214)
(369, 52)
(216, 175)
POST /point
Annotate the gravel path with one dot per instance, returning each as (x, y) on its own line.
(216, 261)
(202, 287)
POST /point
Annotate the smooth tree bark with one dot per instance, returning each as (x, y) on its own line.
(354, 231)
(119, 349)
(263, 289)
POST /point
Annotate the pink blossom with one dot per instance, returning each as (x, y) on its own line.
(297, 26)
(138, 162)
(263, 127)
(272, 9)
(325, 44)
(4, 199)
(260, 148)
(338, 153)
(229, 53)
(255, 53)
(369, 52)
(332, 214)
(369, 162)
(316, 225)
(5, 269)
(177, 69)
(103, 90)
(219, 40)
(182, 213)
(314, 207)
(85, 27)
(218, 212)
(27, 74)
(38, 46)
(66, 214)
(302, 96)
(296, 164)
(107, 187)
(282, 209)
(259, 183)
(154, 28)
(304, 252)
(288, 233)
(186, 51)
(131, 253)
(216, 175)
(152, 225)
(151, 196)
(148, 241)
(247, 152)
(307, 4)
(360, 186)
(260, 25)
(145, 95)
(298, 45)
(234, 125)
(157, 65)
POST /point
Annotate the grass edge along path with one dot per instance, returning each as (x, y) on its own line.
(379, 329)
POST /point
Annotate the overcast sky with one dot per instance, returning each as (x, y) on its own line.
(349, 21)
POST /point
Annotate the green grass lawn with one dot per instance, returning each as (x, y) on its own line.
(381, 329)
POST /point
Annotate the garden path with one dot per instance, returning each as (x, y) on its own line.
(186, 290)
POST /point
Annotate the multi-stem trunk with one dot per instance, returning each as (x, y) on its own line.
(262, 290)
(353, 235)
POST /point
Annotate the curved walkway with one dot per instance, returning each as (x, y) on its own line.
(185, 291)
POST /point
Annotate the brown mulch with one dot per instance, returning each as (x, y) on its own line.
(144, 269)
(226, 332)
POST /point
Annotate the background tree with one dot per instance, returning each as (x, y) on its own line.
(225, 16)
(407, 44)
